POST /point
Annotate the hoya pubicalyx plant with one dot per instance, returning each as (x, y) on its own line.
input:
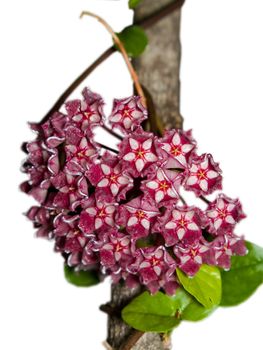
(119, 212)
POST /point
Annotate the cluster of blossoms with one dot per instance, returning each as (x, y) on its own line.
(121, 212)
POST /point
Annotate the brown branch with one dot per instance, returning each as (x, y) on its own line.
(146, 23)
(160, 14)
(106, 54)
(132, 340)
(207, 201)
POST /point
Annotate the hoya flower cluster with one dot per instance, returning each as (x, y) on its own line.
(122, 212)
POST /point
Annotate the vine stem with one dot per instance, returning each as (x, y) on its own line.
(122, 50)
(147, 22)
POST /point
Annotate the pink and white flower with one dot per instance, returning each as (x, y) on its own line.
(227, 245)
(42, 220)
(163, 186)
(156, 269)
(224, 213)
(71, 240)
(178, 145)
(100, 207)
(203, 176)
(137, 152)
(88, 112)
(192, 257)
(127, 113)
(115, 253)
(182, 224)
(80, 156)
(71, 190)
(110, 180)
(96, 216)
(137, 216)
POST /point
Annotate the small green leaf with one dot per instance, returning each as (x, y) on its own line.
(134, 40)
(196, 312)
(244, 277)
(188, 308)
(181, 300)
(205, 286)
(133, 3)
(151, 313)
(81, 278)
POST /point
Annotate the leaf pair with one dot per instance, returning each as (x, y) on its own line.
(200, 295)
(162, 313)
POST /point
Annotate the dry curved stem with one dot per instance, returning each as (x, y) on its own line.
(122, 50)
(145, 23)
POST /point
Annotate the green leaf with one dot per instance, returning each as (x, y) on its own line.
(133, 3)
(196, 312)
(205, 286)
(151, 313)
(188, 308)
(181, 300)
(134, 40)
(244, 277)
(81, 278)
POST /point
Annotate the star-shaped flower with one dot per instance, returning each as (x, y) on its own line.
(110, 181)
(178, 145)
(227, 245)
(127, 113)
(115, 252)
(182, 224)
(71, 190)
(163, 186)
(137, 216)
(191, 257)
(137, 152)
(156, 269)
(79, 156)
(203, 176)
(224, 213)
(88, 112)
(96, 216)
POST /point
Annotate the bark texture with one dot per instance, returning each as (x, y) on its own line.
(158, 70)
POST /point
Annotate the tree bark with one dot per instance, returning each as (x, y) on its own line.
(158, 70)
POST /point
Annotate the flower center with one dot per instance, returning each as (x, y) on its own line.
(222, 213)
(155, 261)
(102, 213)
(127, 112)
(164, 185)
(201, 174)
(140, 153)
(81, 154)
(176, 150)
(87, 115)
(182, 222)
(140, 214)
(193, 252)
(72, 189)
(118, 247)
(113, 178)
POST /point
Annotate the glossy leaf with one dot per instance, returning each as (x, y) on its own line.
(244, 277)
(188, 308)
(133, 3)
(196, 311)
(81, 278)
(151, 313)
(134, 40)
(205, 286)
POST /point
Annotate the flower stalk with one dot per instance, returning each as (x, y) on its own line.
(123, 51)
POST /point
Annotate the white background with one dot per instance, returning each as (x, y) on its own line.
(44, 46)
